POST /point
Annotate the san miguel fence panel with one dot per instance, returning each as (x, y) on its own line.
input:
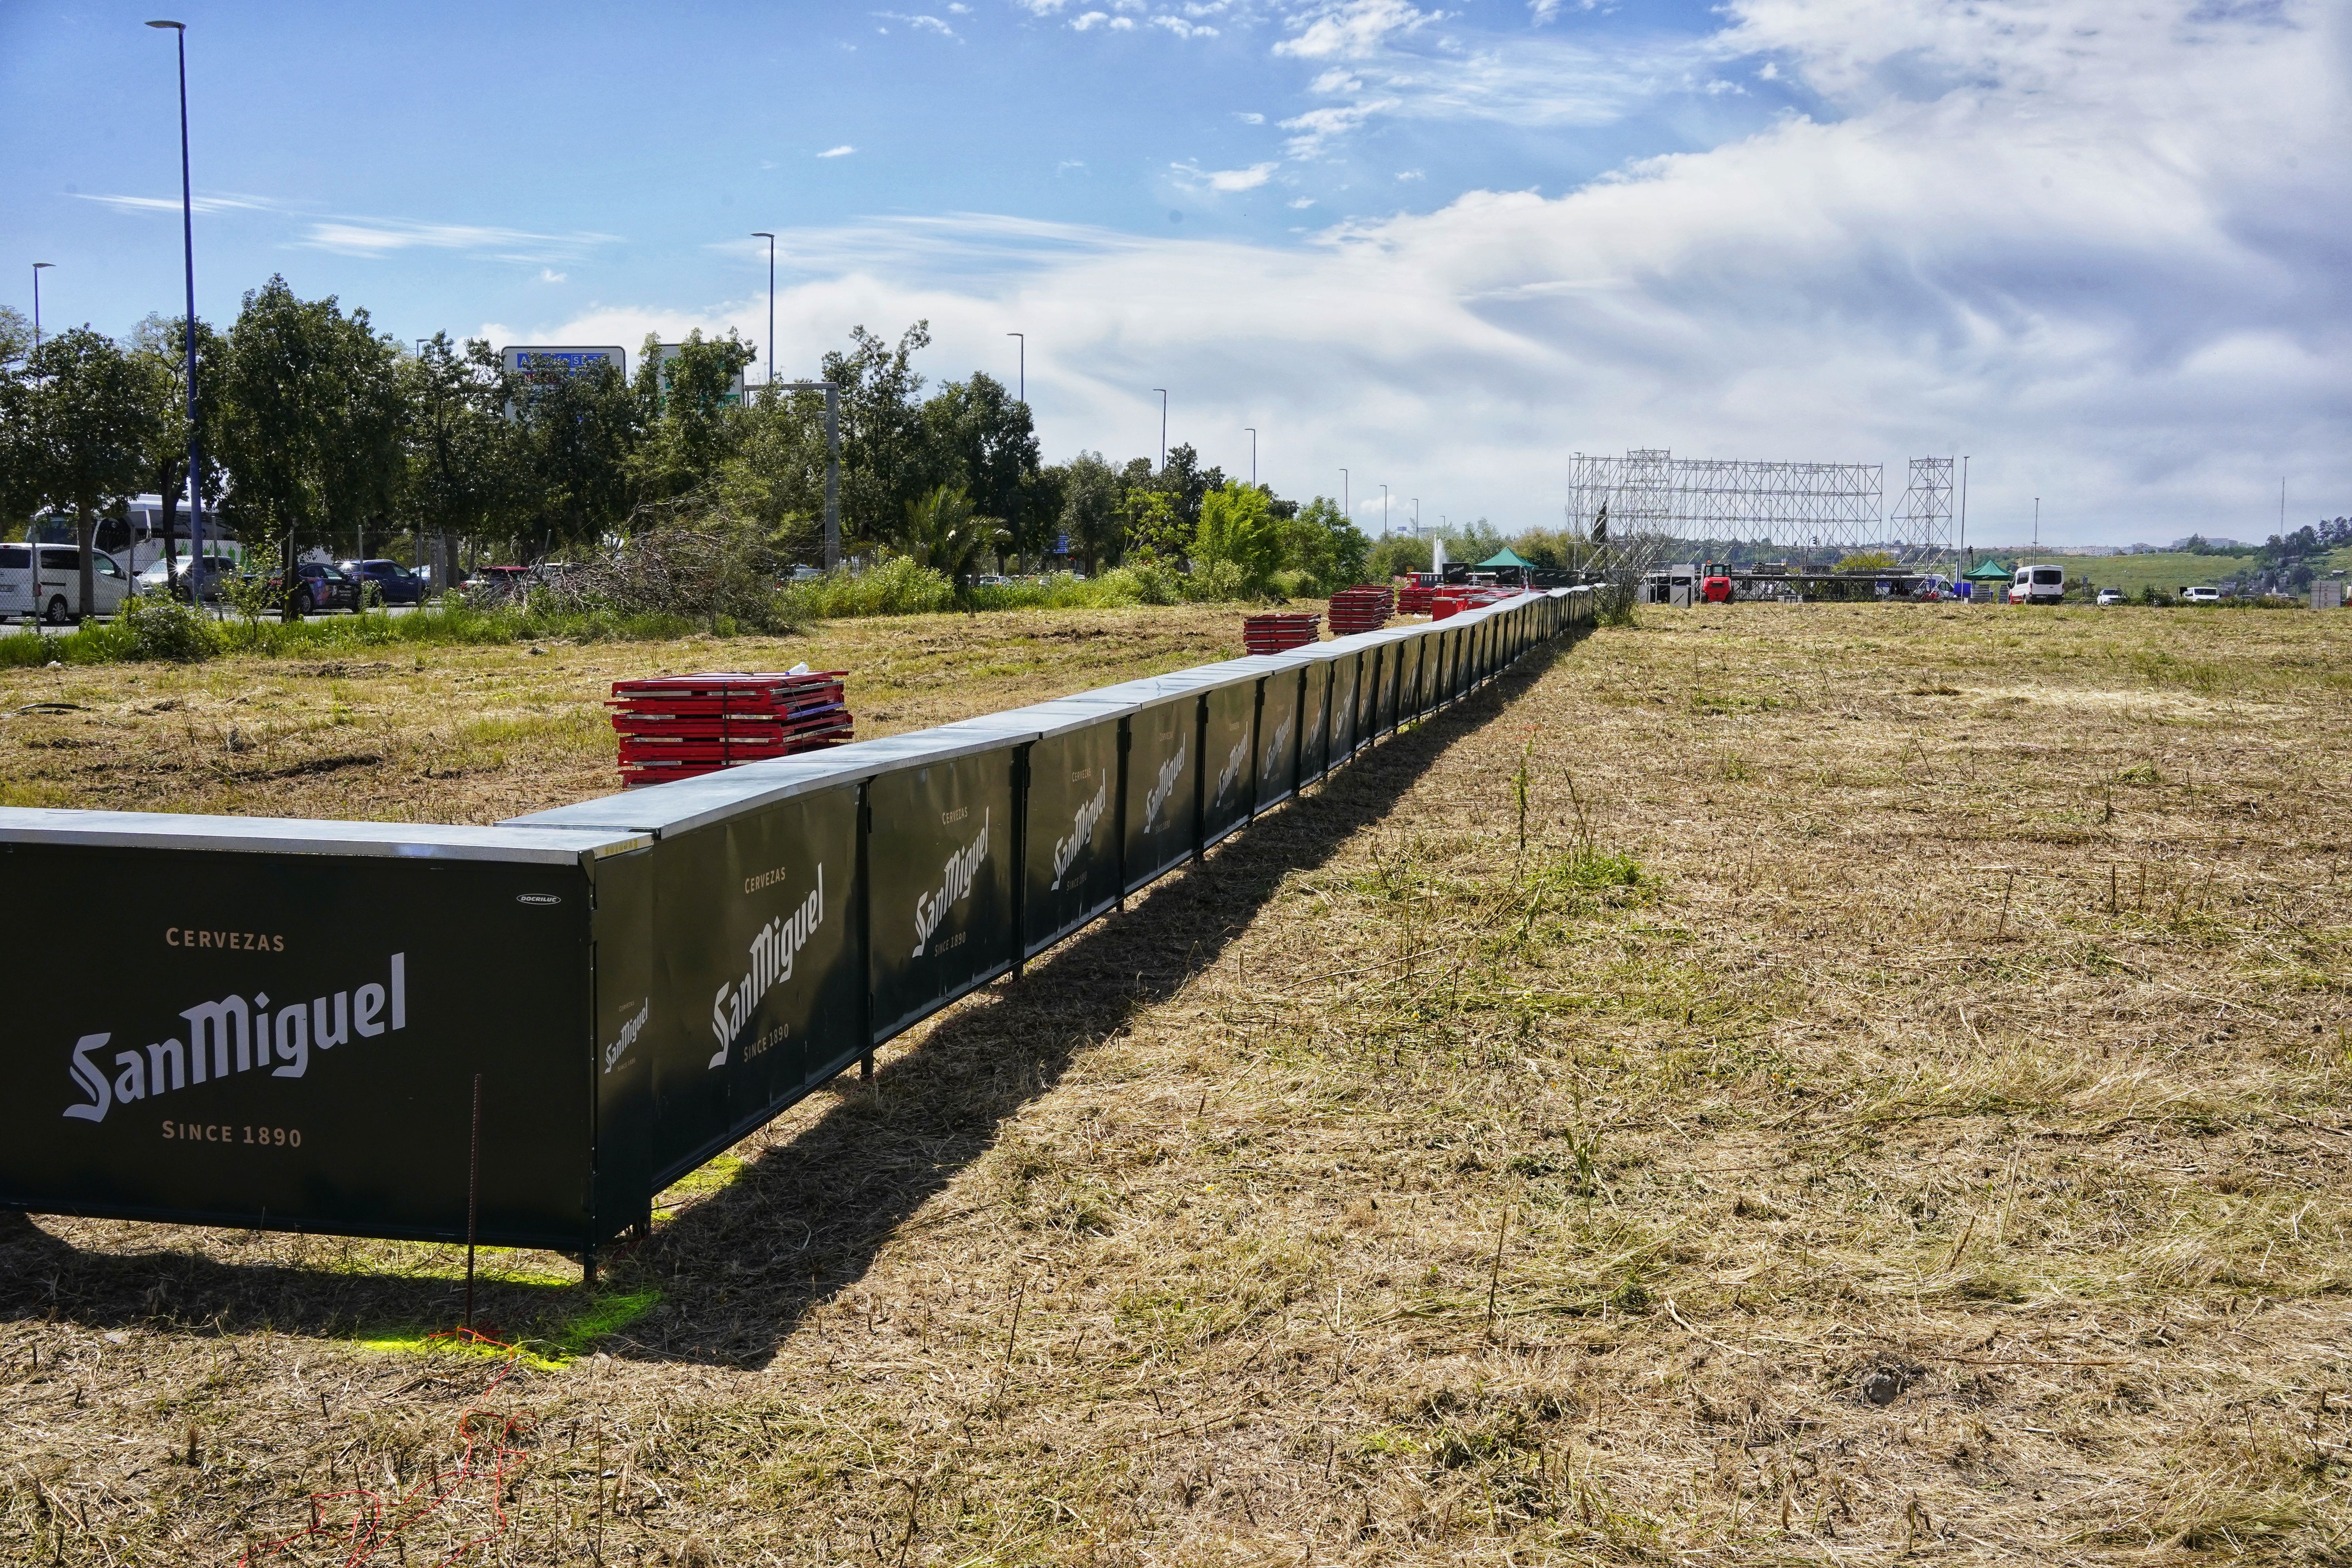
(1070, 874)
(281, 1023)
(256, 1023)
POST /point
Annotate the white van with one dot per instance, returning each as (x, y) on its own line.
(58, 599)
(2041, 585)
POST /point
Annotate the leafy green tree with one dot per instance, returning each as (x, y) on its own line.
(944, 533)
(1396, 554)
(885, 458)
(160, 345)
(311, 422)
(572, 436)
(1090, 510)
(16, 337)
(79, 422)
(1187, 483)
(1154, 530)
(461, 448)
(981, 439)
(776, 477)
(1237, 525)
(684, 404)
(1318, 540)
(1472, 541)
(1867, 561)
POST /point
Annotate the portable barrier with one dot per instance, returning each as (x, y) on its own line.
(635, 981)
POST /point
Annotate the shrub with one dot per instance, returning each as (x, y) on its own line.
(156, 627)
(899, 585)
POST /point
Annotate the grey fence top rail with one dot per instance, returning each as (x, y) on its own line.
(300, 836)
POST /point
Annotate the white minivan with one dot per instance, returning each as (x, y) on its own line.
(58, 599)
(2041, 585)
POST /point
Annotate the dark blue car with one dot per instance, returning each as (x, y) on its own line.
(396, 583)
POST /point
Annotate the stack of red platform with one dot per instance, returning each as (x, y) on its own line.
(1416, 601)
(1362, 609)
(1278, 631)
(680, 726)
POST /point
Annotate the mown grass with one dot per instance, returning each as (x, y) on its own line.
(1817, 1159)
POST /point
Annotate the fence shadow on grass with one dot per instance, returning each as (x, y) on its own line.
(739, 1270)
(802, 1223)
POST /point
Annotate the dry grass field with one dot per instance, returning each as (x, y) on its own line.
(1822, 1083)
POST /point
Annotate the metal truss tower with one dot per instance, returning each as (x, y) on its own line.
(1921, 527)
(1650, 492)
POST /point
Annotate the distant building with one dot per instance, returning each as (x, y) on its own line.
(2210, 541)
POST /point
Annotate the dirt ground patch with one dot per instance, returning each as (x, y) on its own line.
(1814, 1082)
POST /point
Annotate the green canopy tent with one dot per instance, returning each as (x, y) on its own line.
(1506, 556)
(1989, 572)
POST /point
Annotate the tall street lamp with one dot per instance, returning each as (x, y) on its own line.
(1253, 433)
(763, 234)
(1385, 511)
(1023, 393)
(1164, 427)
(188, 249)
(1347, 507)
(37, 265)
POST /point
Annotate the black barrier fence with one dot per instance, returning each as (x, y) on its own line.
(639, 980)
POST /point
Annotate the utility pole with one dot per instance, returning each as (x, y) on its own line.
(1964, 504)
(1023, 393)
(1346, 505)
(2037, 525)
(1252, 434)
(763, 234)
(1385, 511)
(1164, 427)
(188, 247)
(37, 268)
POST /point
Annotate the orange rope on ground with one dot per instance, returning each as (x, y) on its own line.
(375, 1519)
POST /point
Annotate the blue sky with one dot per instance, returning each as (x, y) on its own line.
(2100, 247)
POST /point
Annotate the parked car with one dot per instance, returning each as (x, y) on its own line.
(2111, 597)
(499, 582)
(395, 582)
(319, 588)
(2042, 585)
(56, 598)
(2205, 594)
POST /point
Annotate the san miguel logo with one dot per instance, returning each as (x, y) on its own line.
(1170, 771)
(1066, 851)
(773, 952)
(235, 1036)
(1232, 768)
(955, 882)
(1279, 745)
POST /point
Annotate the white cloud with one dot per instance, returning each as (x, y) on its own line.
(1300, 204)
(843, 151)
(172, 204)
(1064, 167)
(1317, 127)
(549, 275)
(2147, 340)
(1352, 28)
(1181, 28)
(1249, 118)
(1085, 24)
(1192, 177)
(922, 22)
(1336, 79)
(1410, 174)
(373, 237)
(1122, 24)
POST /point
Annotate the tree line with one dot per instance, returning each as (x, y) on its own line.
(315, 429)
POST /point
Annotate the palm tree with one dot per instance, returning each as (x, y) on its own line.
(943, 534)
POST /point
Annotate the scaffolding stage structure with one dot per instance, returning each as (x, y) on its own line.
(1921, 528)
(1651, 493)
